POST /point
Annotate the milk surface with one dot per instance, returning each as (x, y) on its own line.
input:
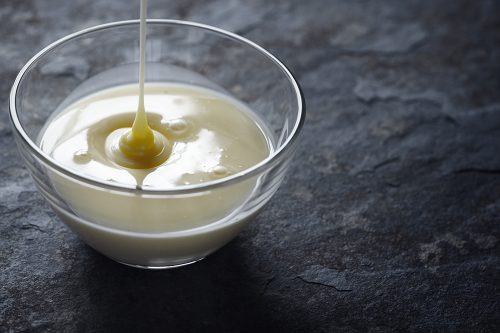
(212, 135)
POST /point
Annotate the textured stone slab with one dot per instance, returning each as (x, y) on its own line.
(388, 221)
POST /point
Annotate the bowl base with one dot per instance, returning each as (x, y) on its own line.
(160, 267)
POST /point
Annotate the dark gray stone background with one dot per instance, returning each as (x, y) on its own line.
(388, 219)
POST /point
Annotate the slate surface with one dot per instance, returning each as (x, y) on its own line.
(388, 220)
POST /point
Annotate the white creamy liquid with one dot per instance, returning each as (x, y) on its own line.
(212, 136)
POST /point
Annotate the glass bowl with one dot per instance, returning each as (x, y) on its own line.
(174, 231)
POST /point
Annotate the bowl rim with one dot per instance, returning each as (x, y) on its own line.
(254, 170)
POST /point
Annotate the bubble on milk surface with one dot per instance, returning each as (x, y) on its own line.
(82, 156)
(177, 127)
(219, 171)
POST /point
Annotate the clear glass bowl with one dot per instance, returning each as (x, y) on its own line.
(177, 51)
